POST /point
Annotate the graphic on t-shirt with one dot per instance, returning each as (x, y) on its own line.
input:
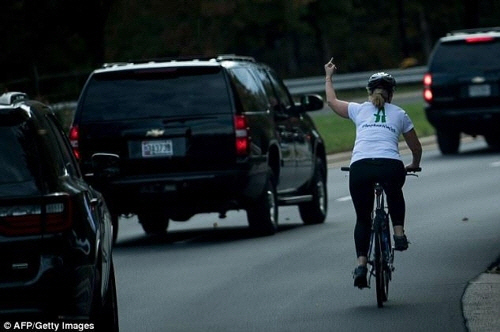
(380, 117)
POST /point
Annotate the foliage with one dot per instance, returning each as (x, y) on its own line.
(51, 35)
(42, 38)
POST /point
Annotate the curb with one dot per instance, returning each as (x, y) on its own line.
(481, 303)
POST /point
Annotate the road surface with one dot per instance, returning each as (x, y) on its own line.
(211, 275)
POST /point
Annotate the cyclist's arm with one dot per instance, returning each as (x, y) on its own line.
(416, 148)
(337, 105)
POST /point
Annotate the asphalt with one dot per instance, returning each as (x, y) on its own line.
(481, 298)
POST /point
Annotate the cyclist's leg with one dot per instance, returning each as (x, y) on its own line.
(361, 189)
(394, 179)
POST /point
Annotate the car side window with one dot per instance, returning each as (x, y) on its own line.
(268, 87)
(250, 93)
(49, 150)
(64, 148)
(18, 157)
(283, 95)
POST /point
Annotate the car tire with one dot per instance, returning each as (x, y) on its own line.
(114, 222)
(105, 311)
(314, 212)
(154, 223)
(448, 141)
(110, 308)
(262, 214)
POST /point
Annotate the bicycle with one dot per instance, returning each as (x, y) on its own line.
(381, 252)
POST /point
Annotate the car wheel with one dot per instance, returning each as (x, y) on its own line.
(105, 311)
(114, 222)
(314, 212)
(262, 214)
(153, 223)
(448, 141)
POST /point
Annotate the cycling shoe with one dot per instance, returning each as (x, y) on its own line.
(359, 275)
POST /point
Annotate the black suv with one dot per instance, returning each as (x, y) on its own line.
(462, 87)
(177, 138)
(55, 230)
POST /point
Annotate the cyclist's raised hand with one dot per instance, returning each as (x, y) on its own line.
(330, 68)
(337, 105)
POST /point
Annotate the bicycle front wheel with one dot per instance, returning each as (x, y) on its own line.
(381, 272)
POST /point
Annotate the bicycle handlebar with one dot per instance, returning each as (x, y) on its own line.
(408, 170)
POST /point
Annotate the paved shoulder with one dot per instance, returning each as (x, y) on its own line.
(481, 302)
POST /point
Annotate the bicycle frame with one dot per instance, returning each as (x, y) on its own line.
(380, 224)
(381, 253)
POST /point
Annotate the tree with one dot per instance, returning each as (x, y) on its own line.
(43, 38)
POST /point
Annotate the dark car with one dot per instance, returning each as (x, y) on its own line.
(462, 87)
(201, 135)
(55, 230)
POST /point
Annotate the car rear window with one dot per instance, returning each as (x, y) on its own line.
(463, 57)
(18, 158)
(164, 92)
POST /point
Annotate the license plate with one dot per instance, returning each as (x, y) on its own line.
(480, 90)
(158, 148)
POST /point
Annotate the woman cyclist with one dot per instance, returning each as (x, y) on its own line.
(376, 158)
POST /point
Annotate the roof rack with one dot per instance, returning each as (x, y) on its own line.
(177, 58)
(234, 57)
(223, 57)
(475, 30)
(162, 59)
(114, 64)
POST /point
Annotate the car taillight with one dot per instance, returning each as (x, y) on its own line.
(480, 39)
(242, 137)
(427, 88)
(74, 136)
(52, 215)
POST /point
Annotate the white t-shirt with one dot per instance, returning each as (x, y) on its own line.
(378, 131)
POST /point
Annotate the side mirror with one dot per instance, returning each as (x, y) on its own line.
(105, 165)
(312, 102)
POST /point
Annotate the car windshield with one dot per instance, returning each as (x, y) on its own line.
(460, 57)
(18, 160)
(150, 93)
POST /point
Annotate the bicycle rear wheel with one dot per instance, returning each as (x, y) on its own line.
(381, 272)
